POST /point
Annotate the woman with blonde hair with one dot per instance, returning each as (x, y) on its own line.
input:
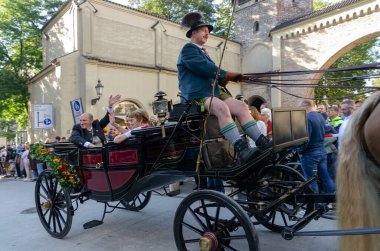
(358, 177)
(138, 119)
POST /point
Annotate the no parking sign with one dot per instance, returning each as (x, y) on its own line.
(43, 116)
(77, 109)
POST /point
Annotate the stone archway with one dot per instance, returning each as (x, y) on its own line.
(315, 42)
(123, 108)
(256, 101)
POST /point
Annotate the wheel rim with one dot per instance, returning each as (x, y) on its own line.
(53, 205)
(210, 221)
(280, 180)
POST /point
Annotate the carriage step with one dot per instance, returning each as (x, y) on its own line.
(91, 224)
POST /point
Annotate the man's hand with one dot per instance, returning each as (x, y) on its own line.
(91, 146)
(113, 100)
(232, 76)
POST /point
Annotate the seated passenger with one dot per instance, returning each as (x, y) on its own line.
(112, 133)
(89, 133)
(197, 74)
(138, 119)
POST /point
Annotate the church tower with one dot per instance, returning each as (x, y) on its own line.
(254, 19)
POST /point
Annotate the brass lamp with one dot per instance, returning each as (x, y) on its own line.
(161, 106)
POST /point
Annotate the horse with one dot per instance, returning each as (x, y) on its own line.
(358, 177)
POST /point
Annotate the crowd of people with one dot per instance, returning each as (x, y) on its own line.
(16, 161)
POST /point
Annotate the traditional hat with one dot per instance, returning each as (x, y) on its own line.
(193, 20)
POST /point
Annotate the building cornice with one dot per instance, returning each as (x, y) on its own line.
(329, 16)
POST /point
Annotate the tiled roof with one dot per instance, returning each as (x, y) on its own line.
(316, 13)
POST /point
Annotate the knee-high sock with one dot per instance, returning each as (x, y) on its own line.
(251, 129)
(231, 133)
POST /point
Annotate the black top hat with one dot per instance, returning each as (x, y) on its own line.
(193, 21)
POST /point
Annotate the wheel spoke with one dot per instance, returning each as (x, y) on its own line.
(191, 241)
(283, 218)
(45, 190)
(228, 247)
(235, 237)
(207, 218)
(197, 219)
(58, 212)
(194, 229)
(43, 196)
(216, 217)
(57, 219)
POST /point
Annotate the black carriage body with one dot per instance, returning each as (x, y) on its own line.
(122, 171)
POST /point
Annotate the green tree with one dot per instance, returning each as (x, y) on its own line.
(320, 4)
(364, 53)
(20, 52)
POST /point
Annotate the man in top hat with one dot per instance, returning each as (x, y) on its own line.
(196, 75)
(89, 132)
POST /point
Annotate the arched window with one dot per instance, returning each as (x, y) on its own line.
(123, 109)
(256, 26)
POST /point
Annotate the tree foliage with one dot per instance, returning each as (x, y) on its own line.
(364, 53)
(20, 52)
(320, 4)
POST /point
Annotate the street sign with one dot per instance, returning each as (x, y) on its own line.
(77, 109)
(43, 116)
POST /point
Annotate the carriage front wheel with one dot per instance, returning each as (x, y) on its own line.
(53, 205)
(209, 220)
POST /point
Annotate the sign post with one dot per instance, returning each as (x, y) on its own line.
(77, 109)
(43, 116)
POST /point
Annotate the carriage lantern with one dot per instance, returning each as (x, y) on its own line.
(161, 107)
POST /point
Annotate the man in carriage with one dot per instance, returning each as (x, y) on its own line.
(89, 132)
(196, 75)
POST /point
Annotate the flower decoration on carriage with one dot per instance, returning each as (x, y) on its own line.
(66, 176)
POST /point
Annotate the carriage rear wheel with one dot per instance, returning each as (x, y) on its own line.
(280, 180)
(209, 220)
(138, 202)
(53, 205)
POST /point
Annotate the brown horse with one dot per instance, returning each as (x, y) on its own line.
(358, 177)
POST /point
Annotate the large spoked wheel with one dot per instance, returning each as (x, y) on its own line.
(138, 202)
(280, 180)
(209, 220)
(53, 205)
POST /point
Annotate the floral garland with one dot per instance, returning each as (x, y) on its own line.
(66, 176)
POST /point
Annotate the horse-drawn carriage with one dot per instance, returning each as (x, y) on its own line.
(269, 193)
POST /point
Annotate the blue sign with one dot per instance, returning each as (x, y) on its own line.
(47, 121)
(76, 105)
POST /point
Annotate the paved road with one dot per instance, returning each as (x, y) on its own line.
(150, 229)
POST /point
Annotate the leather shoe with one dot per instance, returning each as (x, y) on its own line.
(263, 142)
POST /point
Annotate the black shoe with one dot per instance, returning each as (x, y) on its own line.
(263, 142)
(245, 153)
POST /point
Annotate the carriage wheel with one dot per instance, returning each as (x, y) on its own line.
(53, 205)
(209, 220)
(138, 202)
(279, 180)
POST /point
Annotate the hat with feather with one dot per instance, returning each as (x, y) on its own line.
(193, 20)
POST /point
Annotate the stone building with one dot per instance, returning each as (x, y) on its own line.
(134, 53)
(131, 52)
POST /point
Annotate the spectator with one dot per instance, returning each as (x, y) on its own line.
(333, 117)
(266, 114)
(57, 139)
(358, 104)
(260, 124)
(313, 155)
(63, 139)
(26, 162)
(347, 109)
(322, 110)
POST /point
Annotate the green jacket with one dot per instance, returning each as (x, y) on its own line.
(335, 122)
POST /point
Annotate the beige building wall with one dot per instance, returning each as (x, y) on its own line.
(132, 53)
(60, 34)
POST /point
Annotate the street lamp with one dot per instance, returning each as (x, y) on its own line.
(99, 92)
